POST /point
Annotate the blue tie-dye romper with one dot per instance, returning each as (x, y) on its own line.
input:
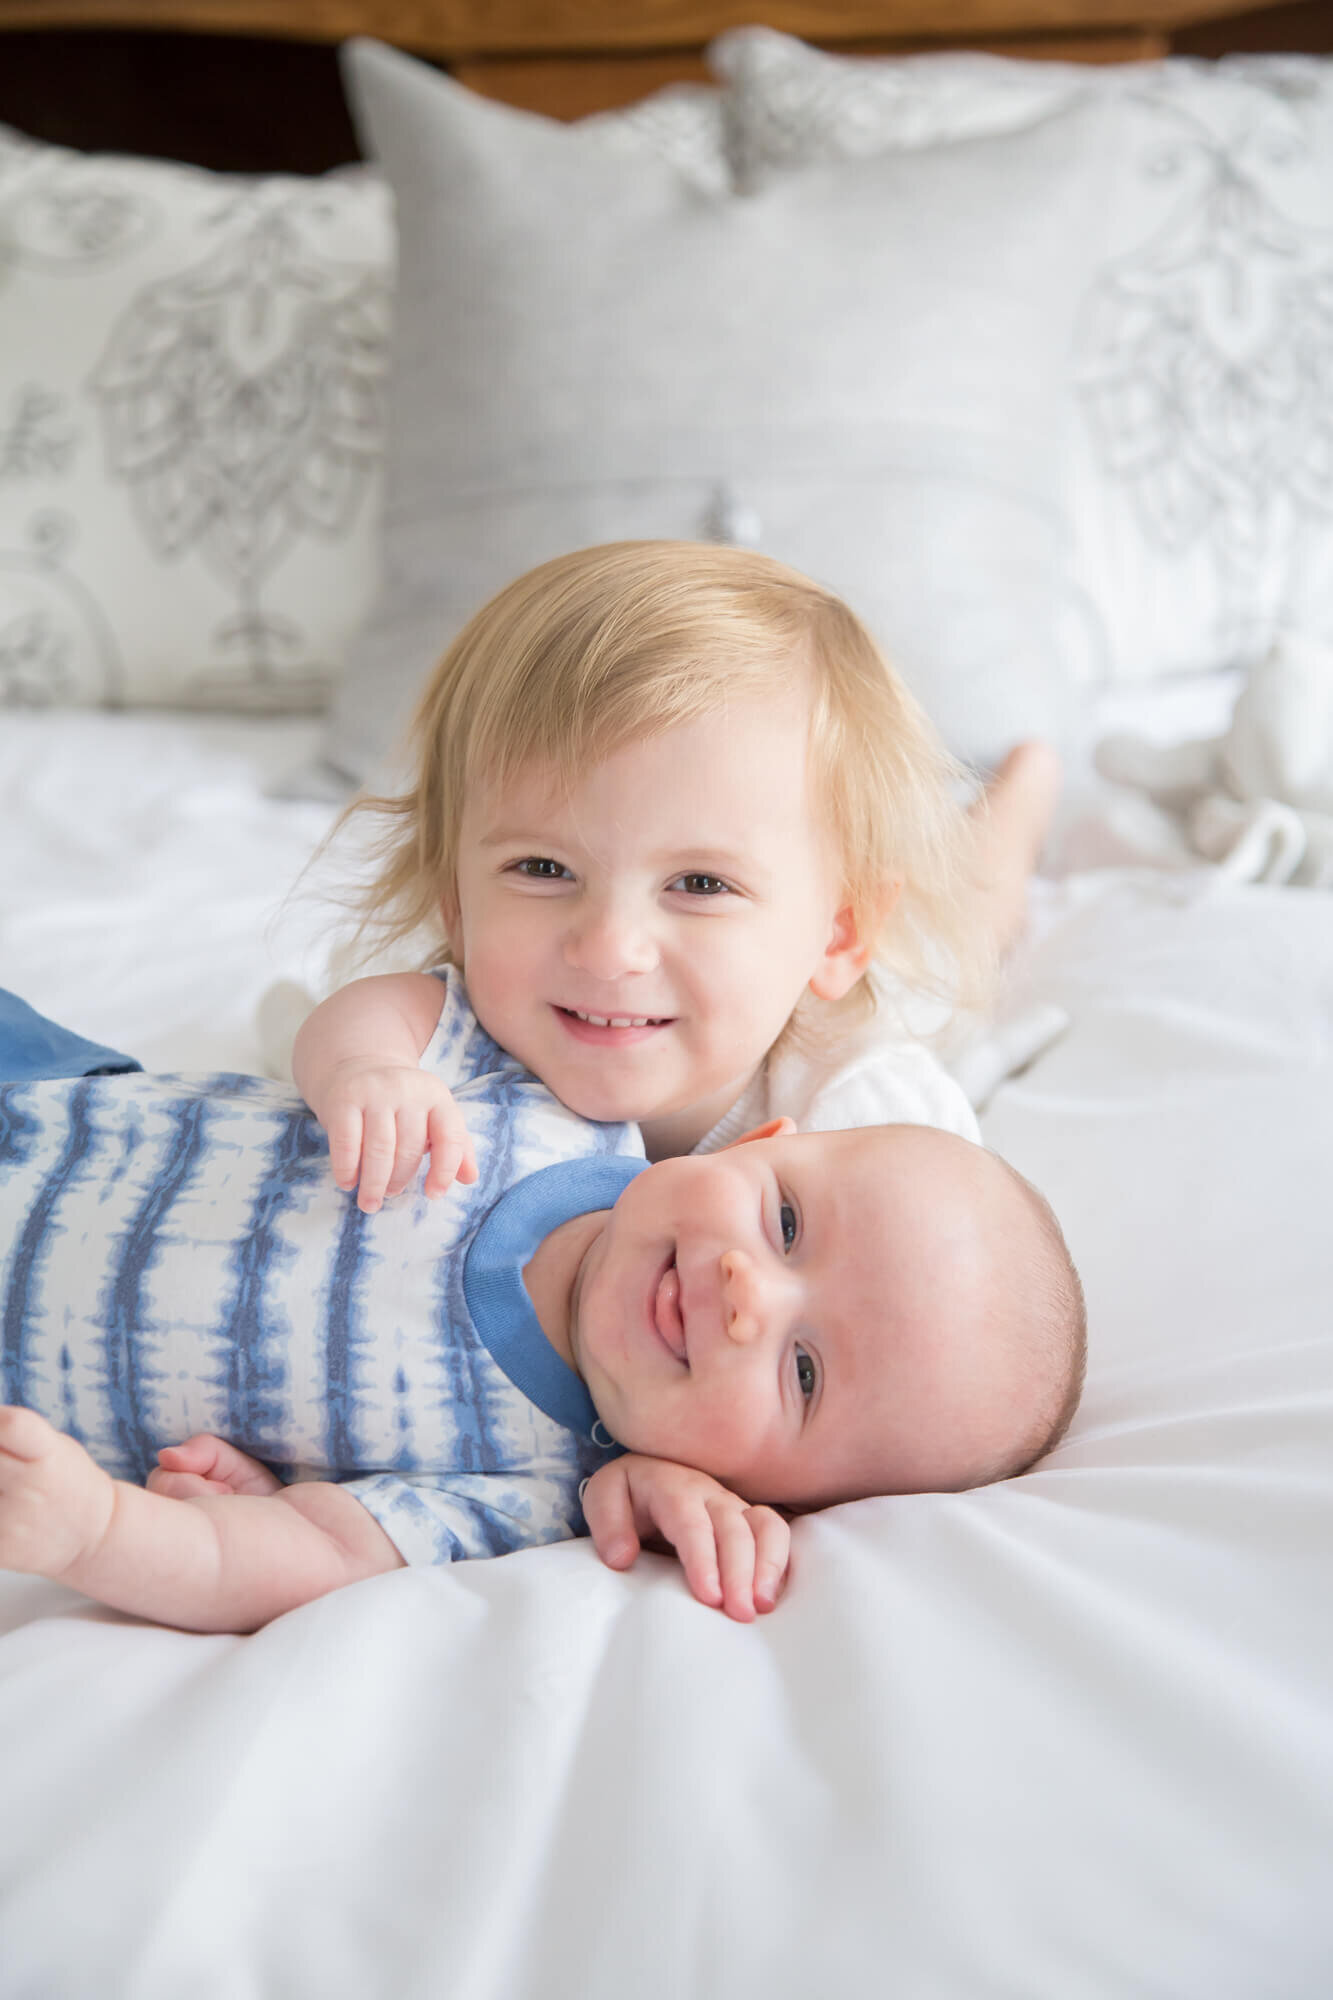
(174, 1257)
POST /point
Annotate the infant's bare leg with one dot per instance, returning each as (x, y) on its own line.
(196, 1563)
(54, 1502)
(1012, 818)
(207, 1464)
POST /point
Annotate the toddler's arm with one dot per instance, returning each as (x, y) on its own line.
(735, 1556)
(357, 1063)
(226, 1564)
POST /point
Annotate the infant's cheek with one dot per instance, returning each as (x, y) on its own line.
(642, 1425)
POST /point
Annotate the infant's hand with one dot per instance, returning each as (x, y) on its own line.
(208, 1465)
(382, 1119)
(734, 1555)
(55, 1504)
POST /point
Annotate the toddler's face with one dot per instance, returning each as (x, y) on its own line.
(805, 1317)
(640, 940)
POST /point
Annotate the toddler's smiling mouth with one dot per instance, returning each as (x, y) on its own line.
(615, 1029)
(617, 1020)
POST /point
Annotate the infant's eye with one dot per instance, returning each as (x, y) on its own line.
(787, 1222)
(805, 1374)
(702, 885)
(540, 868)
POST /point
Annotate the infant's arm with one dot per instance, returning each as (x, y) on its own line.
(735, 1556)
(357, 1063)
(210, 1565)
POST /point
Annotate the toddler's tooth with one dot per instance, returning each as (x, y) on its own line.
(615, 1020)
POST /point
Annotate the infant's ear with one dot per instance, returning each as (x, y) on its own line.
(776, 1128)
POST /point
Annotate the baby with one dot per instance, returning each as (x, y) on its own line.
(788, 1322)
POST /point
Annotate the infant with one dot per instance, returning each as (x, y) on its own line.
(793, 1321)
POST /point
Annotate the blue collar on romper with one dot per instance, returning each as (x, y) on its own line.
(493, 1282)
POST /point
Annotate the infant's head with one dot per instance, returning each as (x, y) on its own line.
(822, 1317)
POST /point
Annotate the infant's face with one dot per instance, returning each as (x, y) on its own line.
(805, 1317)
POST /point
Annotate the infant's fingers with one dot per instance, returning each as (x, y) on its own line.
(736, 1559)
(609, 1511)
(772, 1543)
(196, 1454)
(693, 1535)
(182, 1485)
(221, 1467)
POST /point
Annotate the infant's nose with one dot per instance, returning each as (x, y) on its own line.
(740, 1306)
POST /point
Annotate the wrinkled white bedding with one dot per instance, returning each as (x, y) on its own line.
(1070, 1738)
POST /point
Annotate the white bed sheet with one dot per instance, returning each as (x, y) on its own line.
(1070, 1738)
(151, 889)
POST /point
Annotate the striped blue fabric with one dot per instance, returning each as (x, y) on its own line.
(174, 1257)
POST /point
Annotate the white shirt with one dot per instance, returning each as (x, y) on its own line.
(873, 1074)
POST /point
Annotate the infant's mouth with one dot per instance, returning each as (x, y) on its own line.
(667, 1315)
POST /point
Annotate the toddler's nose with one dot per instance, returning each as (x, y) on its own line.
(609, 942)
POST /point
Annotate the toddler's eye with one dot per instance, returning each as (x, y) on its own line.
(540, 868)
(702, 885)
(805, 1374)
(787, 1223)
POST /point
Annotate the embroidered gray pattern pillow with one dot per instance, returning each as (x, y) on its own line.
(1198, 390)
(191, 428)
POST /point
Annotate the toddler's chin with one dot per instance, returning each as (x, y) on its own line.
(605, 1107)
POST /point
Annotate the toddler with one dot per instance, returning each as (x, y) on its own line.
(790, 1321)
(699, 855)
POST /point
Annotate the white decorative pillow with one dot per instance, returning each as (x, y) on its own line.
(1198, 391)
(192, 379)
(1202, 440)
(849, 368)
(789, 104)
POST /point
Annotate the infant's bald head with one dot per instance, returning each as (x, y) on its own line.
(973, 1317)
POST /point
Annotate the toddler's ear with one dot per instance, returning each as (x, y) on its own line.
(850, 947)
(453, 926)
(776, 1128)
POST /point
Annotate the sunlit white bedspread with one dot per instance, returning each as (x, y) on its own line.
(1070, 1738)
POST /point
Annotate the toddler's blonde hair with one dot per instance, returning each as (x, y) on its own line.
(612, 644)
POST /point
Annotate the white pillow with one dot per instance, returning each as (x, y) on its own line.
(849, 368)
(1198, 390)
(192, 374)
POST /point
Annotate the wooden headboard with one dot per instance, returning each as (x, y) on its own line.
(253, 84)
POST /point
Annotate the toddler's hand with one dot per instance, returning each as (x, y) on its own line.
(55, 1504)
(735, 1556)
(208, 1465)
(381, 1120)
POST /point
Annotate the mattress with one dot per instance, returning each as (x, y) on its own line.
(1065, 1738)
